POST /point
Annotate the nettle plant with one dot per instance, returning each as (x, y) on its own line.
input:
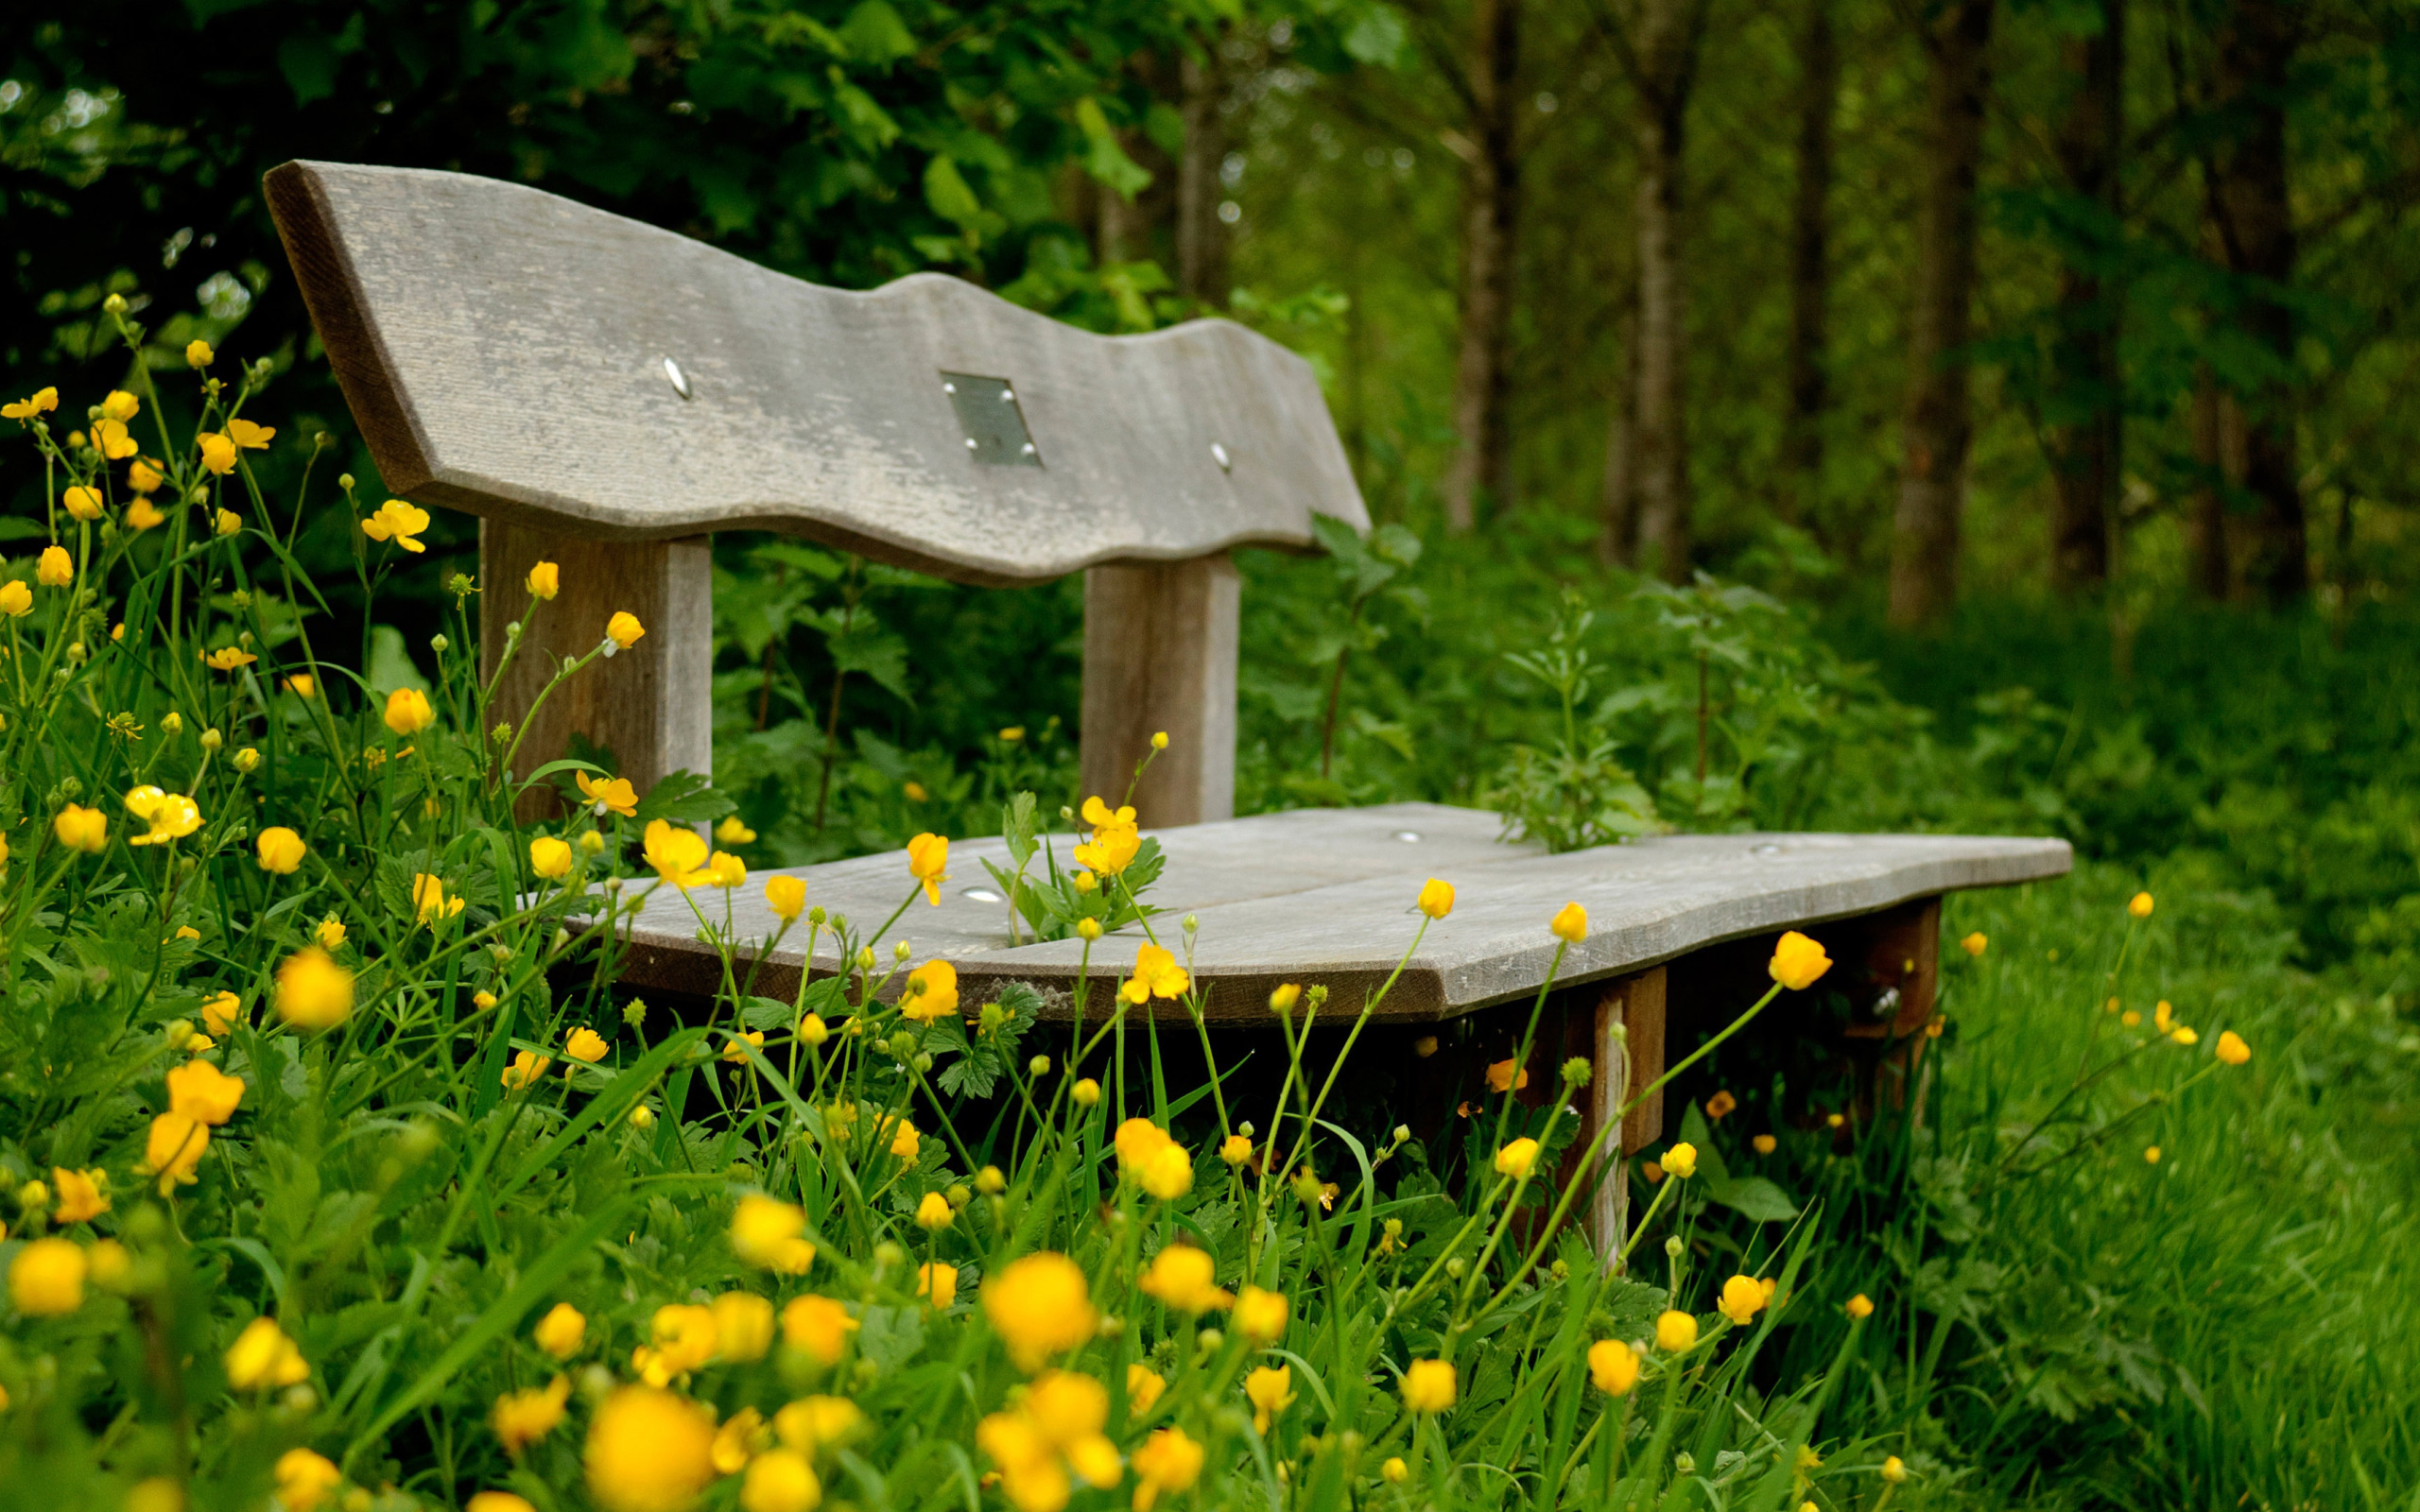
(337, 1172)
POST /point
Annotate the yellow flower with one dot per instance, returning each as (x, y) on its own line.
(81, 829)
(1086, 1093)
(648, 1451)
(786, 897)
(1675, 1331)
(121, 405)
(938, 1284)
(1436, 898)
(80, 1192)
(110, 436)
(611, 795)
(1039, 1305)
(1719, 1107)
(527, 1067)
(170, 816)
(768, 1234)
(2184, 1035)
(904, 1141)
(1156, 975)
(84, 503)
(1798, 961)
(813, 1424)
(734, 831)
(931, 991)
(727, 871)
(544, 580)
(816, 1326)
(400, 522)
(303, 1477)
(928, 859)
(2163, 1016)
(431, 904)
(221, 1013)
(263, 1357)
(2232, 1049)
(682, 1338)
(203, 1093)
(42, 402)
(1428, 1386)
(408, 711)
(494, 1502)
(676, 854)
(1893, 1470)
(1185, 1278)
(303, 684)
(197, 353)
(1860, 1306)
(142, 514)
(738, 1056)
(218, 453)
(1169, 1461)
(226, 523)
(622, 632)
(1110, 852)
(1975, 944)
(174, 1149)
(228, 659)
(16, 599)
(142, 475)
(313, 992)
(1143, 1387)
(281, 850)
(743, 1326)
(550, 858)
(1614, 1367)
(1270, 1391)
(1517, 1158)
(813, 1030)
(1570, 924)
(780, 1480)
(585, 1044)
(1260, 1317)
(1742, 1298)
(523, 1417)
(1764, 1143)
(249, 437)
(1682, 1159)
(1395, 1471)
(1235, 1150)
(47, 1277)
(2150, 1155)
(56, 569)
(560, 1330)
(934, 1212)
(1501, 1076)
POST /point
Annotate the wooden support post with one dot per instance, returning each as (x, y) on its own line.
(1902, 952)
(652, 706)
(1626, 1065)
(1160, 654)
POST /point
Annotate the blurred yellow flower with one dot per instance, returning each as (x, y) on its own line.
(42, 402)
(81, 829)
(1270, 1391)
(927, 861)
(648, 1451)
(1235, 1150)
(1517, 1158)
(734, 831)
(303, 1477)
(814, 1424)
(523, 1417)
(767, 1235)
(120, 406)
(1185, 1278)
(727, 871)
(1742, 1298)
(46, 1279)
(221, 1013)
(488, 1501)
(560, 1330)
(330, 933)
(1675, 1331)
(1169, 1461)
(585, 1044)
(110, 438)
(2150, 1155)
(1156, 975)
(527, 1066)
(904, 1141)
(80, 1192)
(611, 795)
(249, 437)
(786, 897)
(1798, 961)
(198, 355)
(676, 853)
(938, 1284)
(281, 850)
(202, 1092)
(226, 523)
(743, 1326)
(1261, 1316)
(780, 1480)
(1571, 924)
(142, 514)
(1039, 1305)
(1860, 1306)
(1682, 1159)
(1428, 1386)
(313, 992)
(1395, 1471)
(2232, 1049)
(934, 1212)
(218, 453)
(1764, 1143)
(2184, 1033)
(544, 580)
(931, 992)
(1501, 1076)
(2139, 906)
(1719, 1105)
(1614, 1367)
(85, 502)
(430, 903)
(1893, 1470)
(550, 858)
(263, 1357)
(816, 1326)
(228, 659)
(56, 569)
(408, 711)
(1436, 898)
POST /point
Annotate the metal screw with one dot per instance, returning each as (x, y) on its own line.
(971, 443)
(680, 378)
(1219, 454)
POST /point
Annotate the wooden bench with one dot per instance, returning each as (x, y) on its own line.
(603, 393)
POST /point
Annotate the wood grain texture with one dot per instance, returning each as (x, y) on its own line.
(1160, 645)
(1629, 1057)
(503, 350)
(650, 705)
(1324, 896)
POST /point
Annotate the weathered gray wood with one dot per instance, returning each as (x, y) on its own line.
(1312, 897)
(504, 352)
(651, 705)
(1629, 1057)
(1160, 645)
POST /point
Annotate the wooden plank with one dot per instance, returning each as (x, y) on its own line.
(650, 705)
(503, 351)
(1626, 1064)
(1279, 911)
(1160, 655)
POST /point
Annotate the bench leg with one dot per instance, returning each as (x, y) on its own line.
(1626, 1064)
(652, 706)
(1903, 951)
(1160, 654)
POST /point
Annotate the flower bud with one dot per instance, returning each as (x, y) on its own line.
(1672, 1248)
(900, 952)
(634, 1012)
(172, 722)
(211, 740)
(1038, 1066)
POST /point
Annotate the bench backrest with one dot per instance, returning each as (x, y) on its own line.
(566, 373)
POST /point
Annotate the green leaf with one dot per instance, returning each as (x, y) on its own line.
(874, 34)
(948, 192)
(684, 798)
(390, 664)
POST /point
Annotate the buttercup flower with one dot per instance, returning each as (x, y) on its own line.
(932, 992)
(1503, 1077)
(938, 1284)
(81, 829)
(648, 1451)
(1156, 975)
(1614, 1367)
(1975, 944)
(769, 1234)
(1860, 1306)
(330, 933)
(170, 816)
(313, 992)
(281, 850)
(174, 1149)
(904, 1141)
(560, 1330)
(82, 502)
(1517, 1158)
(1185, 1278)
(1436, 898)
(585, 1044)
(523, 1417)
(42, 402)
(1570, 924)
(1235, 1150)
(1260, 1317)
(1039, 1305)
(544, 580)
(218, 453)
(2232, 1049)
(786, 897)
(622, 632)
(304, 1477)
(249, 437)
(1798, 961)
(1682, 1159)
(743, 1326)
(197, 353)
(400, 522)
(1270, 1391)
(56, 569)
(527, 1066)
(226, 523)
(611, 795)
(1719, 1105)
(142, 475)
(1893, 1470)
(46, 1279)
(1765, 1143)
(430, 904)
(1675, 1331)
(1742, 1297)
(1428, 1386)
(676, 853)
(80, 1199)
(734, 831)
(780, 1480)
(221, 1013)
(228, 659)
(494, 1502)
(408, 711)
(1169, 1461)
(816, 1326)
(203, 1093)
(928, 859)
(16, 599)
(550, 858)
(727, 871)
(263, 1357)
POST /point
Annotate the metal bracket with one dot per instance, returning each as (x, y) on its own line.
(994, 425)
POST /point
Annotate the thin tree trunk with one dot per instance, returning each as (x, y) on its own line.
(1617, 535)
(1664, 44)
(1490, 218)
(1936, 425)
(1810, 272)
(2085, 450)
(2256, 46)
(2205, 522)
(1201, 237)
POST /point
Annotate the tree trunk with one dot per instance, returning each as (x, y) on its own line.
(1491, 215)
(2085, 389)
(1810, 273)
(2205, 522)
(1664, 44)
(1201, 237)
(1617, 535)
(2256, 46)
(1935, 424)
